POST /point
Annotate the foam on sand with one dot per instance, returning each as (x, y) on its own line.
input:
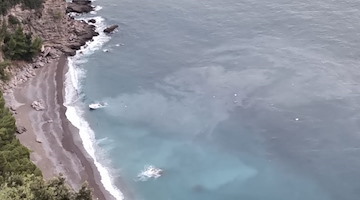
(74, 112)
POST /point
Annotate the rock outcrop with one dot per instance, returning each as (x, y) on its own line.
(79, 6)
(38, 105)
(20, 130)
(63, 35)
(111, 28)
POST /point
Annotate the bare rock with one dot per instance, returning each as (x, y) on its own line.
(76, 45)
(79, 6)
(20, 130)
(110, 29)
(68, 51)
(47, 51)
(38, 65)
(82, 2)
(92, 21)
(38, 105)
(12, 108)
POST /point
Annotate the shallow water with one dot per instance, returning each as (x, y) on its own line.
(233, 99)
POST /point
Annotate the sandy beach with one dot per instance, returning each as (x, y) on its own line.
(54, 142)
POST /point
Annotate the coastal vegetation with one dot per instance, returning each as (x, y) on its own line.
(5, 5)
(19, 177)
(20, 46)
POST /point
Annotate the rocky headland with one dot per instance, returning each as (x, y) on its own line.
(60, 32)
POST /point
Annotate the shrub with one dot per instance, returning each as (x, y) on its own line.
(13, 20)
(3, 74)
(20, 46)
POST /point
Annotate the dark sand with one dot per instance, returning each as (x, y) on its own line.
(55, 144)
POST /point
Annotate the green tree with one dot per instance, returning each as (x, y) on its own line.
(20, 179)
(20, 46)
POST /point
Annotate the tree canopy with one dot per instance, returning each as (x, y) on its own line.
(5, 5)
(20, 46)
(19, 177)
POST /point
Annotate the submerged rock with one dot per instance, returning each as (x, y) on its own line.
(92, 21)
(110, 29)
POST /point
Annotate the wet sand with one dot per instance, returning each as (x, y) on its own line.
(55, 144)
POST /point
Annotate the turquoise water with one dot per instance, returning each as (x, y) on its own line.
(234, 100)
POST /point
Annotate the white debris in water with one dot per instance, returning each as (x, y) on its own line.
(235, 95)
(296, 119)
(149, 171)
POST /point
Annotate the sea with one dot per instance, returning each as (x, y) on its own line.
(232, 99)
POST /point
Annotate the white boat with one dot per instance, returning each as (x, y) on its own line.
(150, 172)
(95, 106)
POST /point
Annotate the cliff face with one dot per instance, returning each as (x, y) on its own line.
(58, 30)
(60, 34)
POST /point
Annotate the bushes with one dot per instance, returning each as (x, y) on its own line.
(32, 4)
(19, 177)
(14, 157)
(20, 46)
(5, 5)
(4, 76)
(13, 20)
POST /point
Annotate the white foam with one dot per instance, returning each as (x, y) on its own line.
(74, 113)
(148, 172)
(97, 8)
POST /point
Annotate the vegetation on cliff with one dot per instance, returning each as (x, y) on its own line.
(5, 5)
(19, 177)
(20, 46)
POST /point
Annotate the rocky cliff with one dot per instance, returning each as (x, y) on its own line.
(60, 33)
(58, 30)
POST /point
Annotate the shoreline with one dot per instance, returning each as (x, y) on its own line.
(57, 145)
(54, 141)
(71, 140)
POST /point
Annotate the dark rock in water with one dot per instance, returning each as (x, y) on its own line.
(92, 21)
(79, 6)
(20, 130)
(110, 29)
